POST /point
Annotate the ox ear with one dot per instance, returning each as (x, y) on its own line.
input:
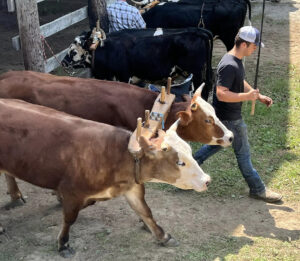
(185, 117)
(145, 144)
(199, 91)
(148, 147)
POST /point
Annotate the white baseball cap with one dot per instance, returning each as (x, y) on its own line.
(250, 34)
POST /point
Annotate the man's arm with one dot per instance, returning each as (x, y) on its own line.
(139, 21)
(225, 95)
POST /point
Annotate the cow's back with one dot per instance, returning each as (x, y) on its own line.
(102, 101)
(47, 147)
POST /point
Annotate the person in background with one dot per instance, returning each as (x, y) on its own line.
(230, 92)
(121, 15)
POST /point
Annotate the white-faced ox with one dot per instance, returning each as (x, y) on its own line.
(86, 161)
(114, 103)
(149, 54)
(222, 17)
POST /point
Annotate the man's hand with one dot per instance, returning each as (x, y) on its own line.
(265, 99)
(253, 94)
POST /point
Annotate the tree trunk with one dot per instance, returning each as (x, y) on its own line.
(30, 36)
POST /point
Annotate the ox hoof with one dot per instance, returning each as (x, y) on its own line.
(15, 203)
(170, 242)
(66, 251)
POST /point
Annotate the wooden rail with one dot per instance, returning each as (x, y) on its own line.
(49, 29)
(11, 7)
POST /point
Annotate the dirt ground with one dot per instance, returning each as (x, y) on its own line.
(110, 230)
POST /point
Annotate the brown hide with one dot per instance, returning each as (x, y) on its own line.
(114, 103)
(51, 149)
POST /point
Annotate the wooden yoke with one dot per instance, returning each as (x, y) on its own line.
(157, 118)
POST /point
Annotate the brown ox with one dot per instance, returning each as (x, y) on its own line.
(85, 161)
(114, 103)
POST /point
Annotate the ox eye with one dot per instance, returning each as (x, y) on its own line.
(194, 106)
(180, 163)
(208, 121)
(165, 149)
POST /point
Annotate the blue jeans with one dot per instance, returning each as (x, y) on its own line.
(241, 149)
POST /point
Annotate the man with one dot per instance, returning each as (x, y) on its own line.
(231, 90)
(124, 16)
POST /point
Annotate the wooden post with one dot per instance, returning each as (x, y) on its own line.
(163, 94)
(138, 128)
(30, 36)
(147, 118)
(169, 85)
(97, 11)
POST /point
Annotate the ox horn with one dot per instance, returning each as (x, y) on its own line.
(102, 37)
(174, 126)
(199, 90)
(144, 2)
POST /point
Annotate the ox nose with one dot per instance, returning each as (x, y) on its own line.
(231, 139)
(207, 183)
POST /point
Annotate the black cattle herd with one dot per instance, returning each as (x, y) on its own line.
(179, 34)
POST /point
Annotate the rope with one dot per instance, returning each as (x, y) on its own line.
(71, 73)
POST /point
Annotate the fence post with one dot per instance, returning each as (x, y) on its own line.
(97, 10)
(30, 36)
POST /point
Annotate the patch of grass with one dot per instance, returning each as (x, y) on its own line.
(267, 249)
(216, 248)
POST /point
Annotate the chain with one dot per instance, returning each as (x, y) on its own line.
(69, 72)
(201, 22)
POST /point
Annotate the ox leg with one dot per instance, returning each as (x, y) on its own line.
(136, 199)
(15, 194)
(71, 209)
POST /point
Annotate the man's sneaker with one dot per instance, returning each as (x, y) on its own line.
(268, 196)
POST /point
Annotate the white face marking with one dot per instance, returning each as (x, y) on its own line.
(209, 111)
(79, 52)
(191, 175)
(158, 31)
(173, 70)
(77, 40)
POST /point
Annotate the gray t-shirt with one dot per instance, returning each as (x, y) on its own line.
(230, 74)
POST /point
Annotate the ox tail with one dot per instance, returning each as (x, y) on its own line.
(208, 37)
(249, 8)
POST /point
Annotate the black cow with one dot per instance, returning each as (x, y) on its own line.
(149, 54)
(222, 17)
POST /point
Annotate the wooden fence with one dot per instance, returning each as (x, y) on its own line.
(33, 55)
